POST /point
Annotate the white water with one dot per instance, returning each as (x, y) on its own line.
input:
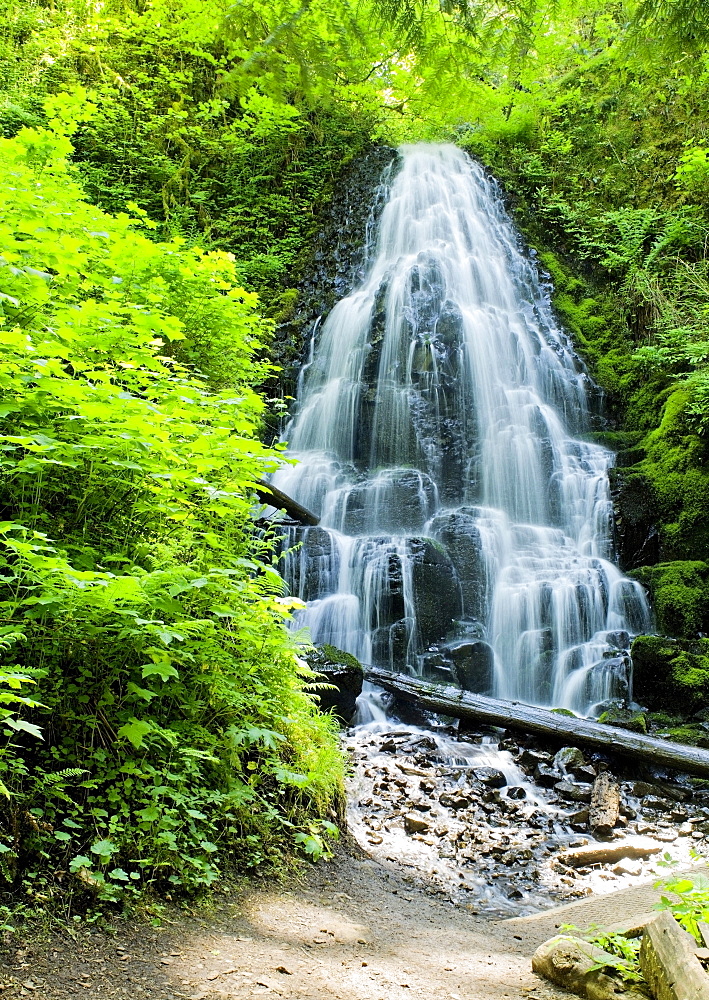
(465, 524)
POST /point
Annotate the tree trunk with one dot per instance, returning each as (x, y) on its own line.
(514, 715)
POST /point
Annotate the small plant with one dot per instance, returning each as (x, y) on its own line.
(625, 951)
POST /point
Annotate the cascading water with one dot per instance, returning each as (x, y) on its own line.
(465, 523)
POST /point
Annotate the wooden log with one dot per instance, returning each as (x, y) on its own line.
(449, 700)
(268, 494)
(605, 804)
(604, 854)
(669, 962)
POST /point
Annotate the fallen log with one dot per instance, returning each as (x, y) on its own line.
(268, 494)
(449, 700)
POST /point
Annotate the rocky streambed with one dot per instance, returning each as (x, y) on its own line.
(501, 825)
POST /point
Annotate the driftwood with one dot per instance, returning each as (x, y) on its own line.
(281, 501)
(669, 961)
(449, 700)
(594, 854)
(605, 804)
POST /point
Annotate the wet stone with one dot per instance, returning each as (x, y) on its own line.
(490, 776)
(531, 758)
(569, 757)
(415, 823)
(546, 776)
(573, 792)
(516, 792)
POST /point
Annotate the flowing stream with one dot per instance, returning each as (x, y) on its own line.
(442, 432)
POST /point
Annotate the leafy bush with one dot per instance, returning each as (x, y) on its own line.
(177, 736)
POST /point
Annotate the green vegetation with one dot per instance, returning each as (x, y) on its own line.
(163, 164)
(171, 734)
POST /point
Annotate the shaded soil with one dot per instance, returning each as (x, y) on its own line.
(350, 929)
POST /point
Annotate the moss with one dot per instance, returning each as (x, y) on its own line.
(564, 711)
(668, 672)
(679, 592)
(691, 735)
(338, 657)
(623, 718)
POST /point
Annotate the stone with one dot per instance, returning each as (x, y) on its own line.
(473, 665)
(545, 776)
(516, 792)
(628, 867)
(415, 823)
(579, 819)
(530, 758)
(436, 589)
(569, 757)
(489, 776)
(573, 964)
(584, 773)
(345, 673)
(655, 803)
(454, 801)
(573, 792)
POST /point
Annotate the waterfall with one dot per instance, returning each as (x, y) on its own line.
(439, 432)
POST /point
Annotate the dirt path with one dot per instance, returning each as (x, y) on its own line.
(351, 930)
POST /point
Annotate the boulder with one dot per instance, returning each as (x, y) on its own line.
(344, 672)
(473, 665)
(436, 589)
(573, 963)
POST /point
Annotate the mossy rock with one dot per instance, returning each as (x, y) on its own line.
(679, 592)
(344, 673)
(624, 718)
(670, 672)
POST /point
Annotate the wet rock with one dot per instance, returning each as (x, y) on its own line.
(473, 665)
(569, 757)
(459, 532)
(579, 819)
(573, 792)
(454, 800)
(436, 589)
(531, 758)
(545, 776)
(345, 673)
(415, 823)
(516, 792)
(509, 745)
(655, 804)
(584, 773)
(490, 777)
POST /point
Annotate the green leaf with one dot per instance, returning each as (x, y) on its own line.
(20, 725)
(135, 732)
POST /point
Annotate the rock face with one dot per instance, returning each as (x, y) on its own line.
(635, 508)
(337, 262)
(342, 670)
